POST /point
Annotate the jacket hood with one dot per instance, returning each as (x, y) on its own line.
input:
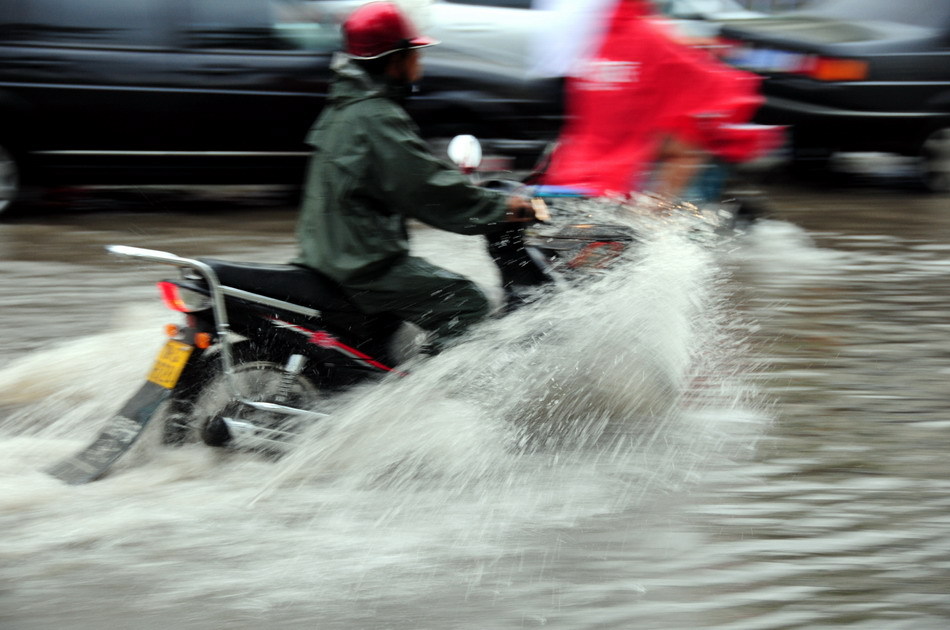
(355, 84)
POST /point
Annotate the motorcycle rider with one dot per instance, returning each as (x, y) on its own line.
(370, 172)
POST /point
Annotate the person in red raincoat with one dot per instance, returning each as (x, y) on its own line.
(644, 103)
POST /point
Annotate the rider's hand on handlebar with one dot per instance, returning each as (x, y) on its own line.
(523, 210)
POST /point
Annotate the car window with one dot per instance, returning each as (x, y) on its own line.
(268, 25)
(509, 4)
(125, 23)
(916, 12)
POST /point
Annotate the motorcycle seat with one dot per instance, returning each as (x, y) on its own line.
(309, 288)
(292, 283)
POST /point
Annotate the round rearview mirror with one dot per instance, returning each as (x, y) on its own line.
(466, 152)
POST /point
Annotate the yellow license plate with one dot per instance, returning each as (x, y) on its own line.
(170, 363)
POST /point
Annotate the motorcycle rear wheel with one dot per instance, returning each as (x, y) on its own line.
(195, 414)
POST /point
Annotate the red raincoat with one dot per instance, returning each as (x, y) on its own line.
(641, 87)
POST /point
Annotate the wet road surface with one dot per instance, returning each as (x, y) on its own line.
(802, 483)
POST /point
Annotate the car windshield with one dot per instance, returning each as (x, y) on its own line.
(917, 12)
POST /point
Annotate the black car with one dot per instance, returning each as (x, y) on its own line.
(202, 91)
(856, 75)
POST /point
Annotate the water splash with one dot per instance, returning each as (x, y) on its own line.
(67, 390)
(603, 374)
(593, 402)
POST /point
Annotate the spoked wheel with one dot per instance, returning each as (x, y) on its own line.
(217, 417)
(935, 155)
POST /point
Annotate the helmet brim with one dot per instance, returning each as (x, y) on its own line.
(416, 42)
(422, 42)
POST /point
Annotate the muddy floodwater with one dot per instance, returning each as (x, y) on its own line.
(749, 436)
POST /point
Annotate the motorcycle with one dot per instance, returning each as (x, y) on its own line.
(264, 348)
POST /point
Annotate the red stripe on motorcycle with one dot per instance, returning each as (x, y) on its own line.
(326, 340)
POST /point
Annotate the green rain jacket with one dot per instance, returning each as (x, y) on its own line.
(370, 171)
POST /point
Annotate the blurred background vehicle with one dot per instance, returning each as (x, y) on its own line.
(855, 76)
(502, 30)
(184, 91)
(132, 92)
(156, 91)
(498, 37)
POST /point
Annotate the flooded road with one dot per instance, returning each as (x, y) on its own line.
(798, 479)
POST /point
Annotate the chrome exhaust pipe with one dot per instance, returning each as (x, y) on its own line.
(245, 435)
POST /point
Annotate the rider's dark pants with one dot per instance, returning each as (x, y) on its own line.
(443, 302)
(433, 298)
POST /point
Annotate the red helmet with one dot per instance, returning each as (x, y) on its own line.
(379, 28)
